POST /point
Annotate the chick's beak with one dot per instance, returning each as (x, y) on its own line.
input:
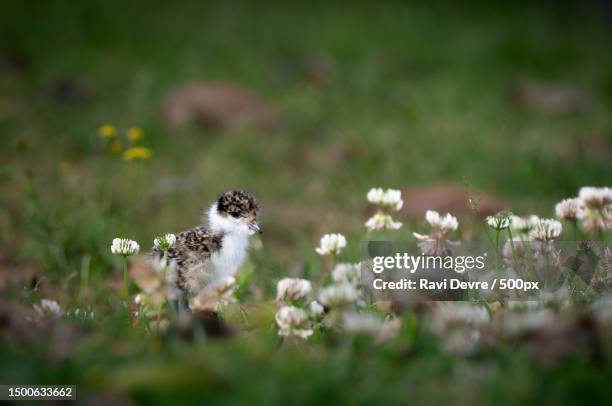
(254, 225)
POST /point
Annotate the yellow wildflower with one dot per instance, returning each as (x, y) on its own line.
(134, 153)
(107, 131)
(116, 147)
(135, 134)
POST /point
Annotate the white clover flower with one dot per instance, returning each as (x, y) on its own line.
(315, 310)
(376, 195)
(165, 242)
(499, 222)
(331, 244)
(435, 243)
(47, 309)
(596, 197)
(446, 317)
(292, 289)
(124, 247)
(546, 230)
(338, 295)
(393, 199)
(449, 223)
(523, 224)
(390, 199)
(444, 223)
(570, 209)
(598, 211)
(433, 218)
(382, 221)
(293, 321)
(347, 273)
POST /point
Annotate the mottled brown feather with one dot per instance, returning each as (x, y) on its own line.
(192, 248)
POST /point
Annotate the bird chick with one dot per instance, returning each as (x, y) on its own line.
(204, 255)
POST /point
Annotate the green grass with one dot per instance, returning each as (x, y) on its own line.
(416, 93)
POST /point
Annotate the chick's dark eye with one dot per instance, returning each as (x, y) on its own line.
(235, 215)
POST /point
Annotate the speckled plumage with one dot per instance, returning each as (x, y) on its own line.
(237, 203)
(192, 250)
(202, 255)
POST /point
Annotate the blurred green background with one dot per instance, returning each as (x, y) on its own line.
(511, 98)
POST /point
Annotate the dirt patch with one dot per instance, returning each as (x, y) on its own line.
(222, 105)
(549, 97)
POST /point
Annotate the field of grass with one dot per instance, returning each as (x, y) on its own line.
(401, 94)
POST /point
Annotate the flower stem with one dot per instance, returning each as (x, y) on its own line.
(575, 228)
(163, 277)
(512, 246)
(126, 280)
(328, 267)
(497, 232)
(165, 265)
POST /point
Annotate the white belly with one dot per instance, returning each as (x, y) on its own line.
(233, 251)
